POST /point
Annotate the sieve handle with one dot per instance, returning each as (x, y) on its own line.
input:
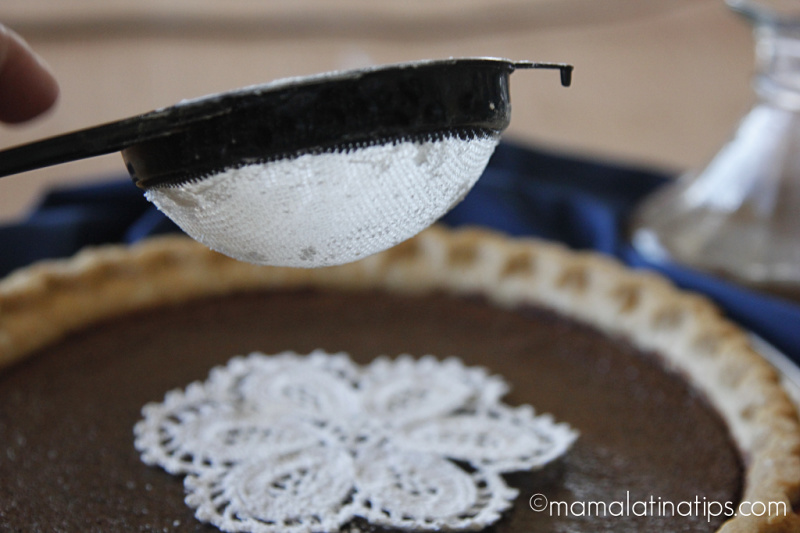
(101, 140)
(65, 148)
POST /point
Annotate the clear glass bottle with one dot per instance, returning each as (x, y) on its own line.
(740, 216)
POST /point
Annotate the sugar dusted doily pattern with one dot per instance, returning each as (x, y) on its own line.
(292, 443)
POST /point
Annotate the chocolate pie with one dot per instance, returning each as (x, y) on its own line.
(679, 420)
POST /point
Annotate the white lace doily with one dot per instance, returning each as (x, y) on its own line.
(292, 443)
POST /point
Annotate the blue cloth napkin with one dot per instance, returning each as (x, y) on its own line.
(582, 203)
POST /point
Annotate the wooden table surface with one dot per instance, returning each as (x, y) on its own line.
(662, 82)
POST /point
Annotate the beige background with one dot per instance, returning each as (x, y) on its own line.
(661, 82)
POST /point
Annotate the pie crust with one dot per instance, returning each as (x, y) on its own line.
(44, 302)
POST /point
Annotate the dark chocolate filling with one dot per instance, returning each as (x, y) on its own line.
(67, 461)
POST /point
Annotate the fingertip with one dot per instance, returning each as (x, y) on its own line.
(27, 85)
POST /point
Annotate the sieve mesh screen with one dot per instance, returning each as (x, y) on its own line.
(328, 208)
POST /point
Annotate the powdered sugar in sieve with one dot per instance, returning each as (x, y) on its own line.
(332, 207)
(330, 168)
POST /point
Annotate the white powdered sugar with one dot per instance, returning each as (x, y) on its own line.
(327, 208)
(306, 444)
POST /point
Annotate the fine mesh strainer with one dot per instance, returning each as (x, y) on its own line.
(310, 171)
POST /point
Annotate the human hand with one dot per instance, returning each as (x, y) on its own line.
(27, 87)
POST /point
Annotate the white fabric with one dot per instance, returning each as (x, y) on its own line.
(303, 444)
(328, 208)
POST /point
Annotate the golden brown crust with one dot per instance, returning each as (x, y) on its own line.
(42, 303)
